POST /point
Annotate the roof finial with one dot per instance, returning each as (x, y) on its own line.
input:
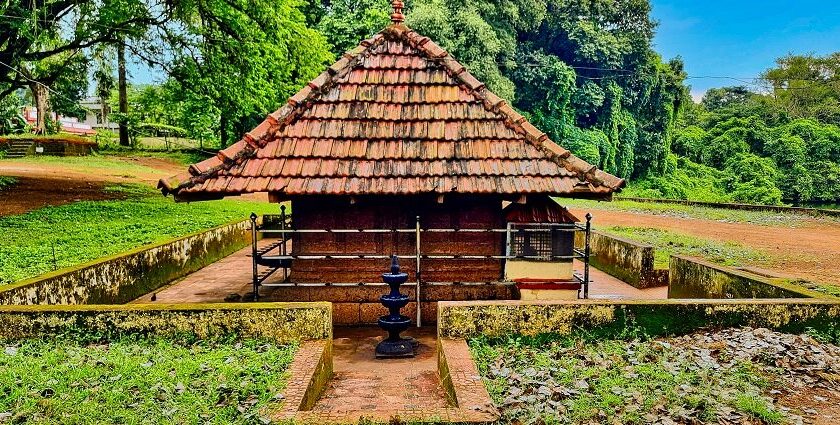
(397, 17)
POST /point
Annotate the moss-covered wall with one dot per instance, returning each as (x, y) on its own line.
(281, 322)
(466, 319)
(127, 276)
(696, 278)
(625, 259)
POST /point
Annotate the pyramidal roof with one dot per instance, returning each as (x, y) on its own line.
(397, 115)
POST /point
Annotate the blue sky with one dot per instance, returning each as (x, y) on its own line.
(733, 38)
(741, 39)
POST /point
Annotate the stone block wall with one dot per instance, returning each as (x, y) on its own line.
(696, 278)
(279, 322)
(625, 259)
(615, 318)
(124, 277)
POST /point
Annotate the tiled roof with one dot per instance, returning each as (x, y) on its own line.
(396, 115)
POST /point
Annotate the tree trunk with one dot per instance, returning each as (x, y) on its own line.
(103, 105)
(42, 106)
(123, 89)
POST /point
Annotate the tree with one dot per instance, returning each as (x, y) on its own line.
(246, 57)
(751, 179)
(31, 32)
(574, 64)
(103, 76)
(807, 86)
(346, 22)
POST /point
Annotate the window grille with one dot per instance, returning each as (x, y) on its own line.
(534, 241)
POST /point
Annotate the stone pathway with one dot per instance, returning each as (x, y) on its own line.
(379, 387)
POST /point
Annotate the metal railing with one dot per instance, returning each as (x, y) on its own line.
(282, 259)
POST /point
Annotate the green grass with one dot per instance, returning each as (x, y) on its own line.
(667, 243)
(96, 165)
(7, 182)
(140, 381)
(763, 218)
(573, 380)
(87, 230)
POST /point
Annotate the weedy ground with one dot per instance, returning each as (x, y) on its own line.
(667, 243)
(729, 376)
(140, 381)
(55, 237)
(7, 182)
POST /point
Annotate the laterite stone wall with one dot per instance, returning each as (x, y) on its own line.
(397, 212)
(280, 322)
(696, 278)
(616, 318)
(127, 276)
(625, 259)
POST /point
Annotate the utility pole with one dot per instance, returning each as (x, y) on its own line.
(123, 89)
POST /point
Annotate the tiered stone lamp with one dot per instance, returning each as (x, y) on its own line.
(394, 345)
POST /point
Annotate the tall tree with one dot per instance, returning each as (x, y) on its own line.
(807, 86)
(246, 57)
(122, 83)
(103, 76)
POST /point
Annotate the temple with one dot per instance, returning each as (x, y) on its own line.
(396, 136)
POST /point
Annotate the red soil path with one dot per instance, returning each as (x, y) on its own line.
(810, 251)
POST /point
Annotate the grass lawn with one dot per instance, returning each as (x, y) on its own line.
(55, 237)
(764, 218)
(727, 253)
(118, 164)
(140, 381)
(582, 380)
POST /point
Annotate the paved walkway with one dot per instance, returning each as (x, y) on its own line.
(232, 275)
(361, 383)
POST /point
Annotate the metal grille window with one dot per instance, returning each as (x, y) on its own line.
(533, 241)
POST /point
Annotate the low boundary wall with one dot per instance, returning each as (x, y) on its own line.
(625, 259)
(279, 322)
(124, 277)
(692, 277)
(467, 319)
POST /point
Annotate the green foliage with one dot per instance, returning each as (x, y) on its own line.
(242, 57)
(11, 119)
(751, 179)
(87, 230)
(141, 380)
(684, 180)
(806, 86)
(344, 23)
(584, 73)
(7, 182)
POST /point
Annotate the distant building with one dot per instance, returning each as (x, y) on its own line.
(93, 114)
(68, 125)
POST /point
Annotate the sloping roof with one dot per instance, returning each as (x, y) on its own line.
(396, 115)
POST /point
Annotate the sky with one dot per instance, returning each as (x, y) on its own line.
(734, 39)
(742, 39)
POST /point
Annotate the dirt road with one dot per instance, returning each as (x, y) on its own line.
(41, 184)
(810, 251)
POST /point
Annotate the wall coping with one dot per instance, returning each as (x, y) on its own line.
(805, 292)
(711, 302)
(63, 308)
(112, 257)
